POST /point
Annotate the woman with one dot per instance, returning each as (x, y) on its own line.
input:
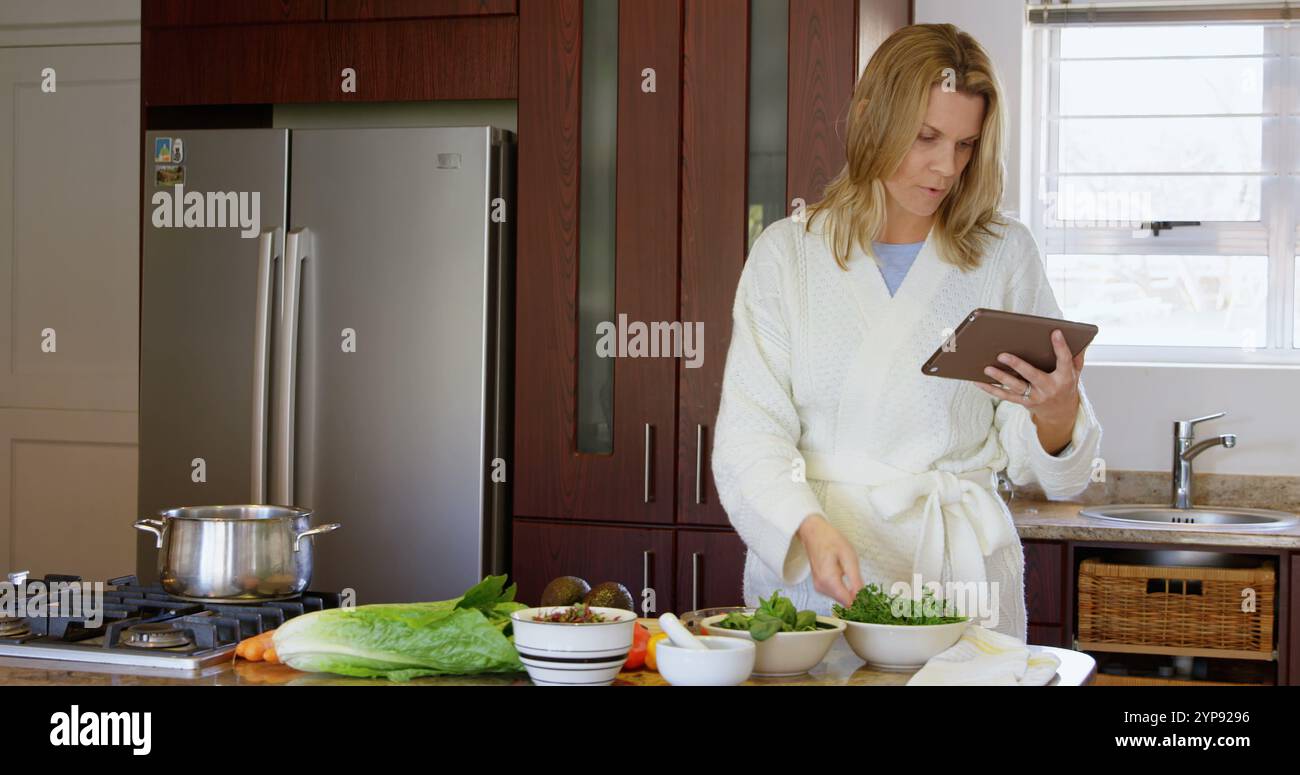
(838, 462)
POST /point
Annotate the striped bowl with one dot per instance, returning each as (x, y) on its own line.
(567, 654)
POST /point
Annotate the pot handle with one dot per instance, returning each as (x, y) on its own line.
(331, 527)
(154, 526)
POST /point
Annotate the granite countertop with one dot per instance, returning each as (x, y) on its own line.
(840, 668)
(1060, 521)
(1037, 517)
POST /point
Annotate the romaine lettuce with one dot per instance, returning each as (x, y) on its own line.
(400, 641)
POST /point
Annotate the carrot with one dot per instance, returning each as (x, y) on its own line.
(254, 649)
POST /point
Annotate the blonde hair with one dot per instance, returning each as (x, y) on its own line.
(888, 107)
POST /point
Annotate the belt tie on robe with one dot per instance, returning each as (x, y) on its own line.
(960, 514)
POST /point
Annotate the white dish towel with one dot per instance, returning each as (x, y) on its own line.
(986, 658)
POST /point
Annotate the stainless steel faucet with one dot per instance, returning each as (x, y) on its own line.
(1185, 450)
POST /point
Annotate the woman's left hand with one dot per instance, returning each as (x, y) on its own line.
(1053, 398)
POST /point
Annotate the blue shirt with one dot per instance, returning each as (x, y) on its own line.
(895, 260)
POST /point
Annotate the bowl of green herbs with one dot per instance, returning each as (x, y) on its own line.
(788, 641)
(898, 632)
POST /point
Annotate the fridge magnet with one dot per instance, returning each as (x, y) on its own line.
(162, 150)
(168, 175)
(178, 150)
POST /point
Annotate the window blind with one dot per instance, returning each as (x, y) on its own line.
(1161, 12)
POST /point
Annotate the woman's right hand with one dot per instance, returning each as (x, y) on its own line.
(832, 559)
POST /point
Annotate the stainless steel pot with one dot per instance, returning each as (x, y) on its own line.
(234, 553)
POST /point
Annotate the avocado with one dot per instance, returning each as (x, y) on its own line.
(565, 590)
(610, 594)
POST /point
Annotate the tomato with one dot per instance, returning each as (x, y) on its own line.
(640, 638)
(650, 659)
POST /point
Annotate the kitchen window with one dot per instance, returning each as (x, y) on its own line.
(1193, 124)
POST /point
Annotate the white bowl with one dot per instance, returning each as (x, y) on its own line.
(785, 653)
(726, 662)
(571, 654)
(901, 646)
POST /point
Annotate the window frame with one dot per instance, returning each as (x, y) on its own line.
(1276, 235)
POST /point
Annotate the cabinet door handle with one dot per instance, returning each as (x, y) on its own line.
(645, 577)
(699, 470)
(695, 581)
(649, 452)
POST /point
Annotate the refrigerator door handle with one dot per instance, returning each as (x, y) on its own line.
(286, 367)
(261, 349)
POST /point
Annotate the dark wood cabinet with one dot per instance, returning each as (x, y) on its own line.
(1047, 635)
(203, 13)
(681, 238)
(715, 121)
(638, 558)
(682, 219)
(259, 52)
(710, 569)
(463, 58)
(236, 65)
(412, 9)
(686, 569)
(634, 480)
(1044, 581)
(1045, 593)
(198, 13)
(823, 71)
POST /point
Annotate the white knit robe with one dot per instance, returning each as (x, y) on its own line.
(826, 361)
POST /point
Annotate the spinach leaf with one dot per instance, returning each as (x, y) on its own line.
(773, 615)
(734, 621)
(873, 605)
(764, 625)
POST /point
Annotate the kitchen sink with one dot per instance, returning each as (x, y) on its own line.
(1205, 517)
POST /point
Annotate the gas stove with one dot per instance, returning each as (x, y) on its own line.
(142, 626)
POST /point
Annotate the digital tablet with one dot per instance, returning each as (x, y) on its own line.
(986, 333)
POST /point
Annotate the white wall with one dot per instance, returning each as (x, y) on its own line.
(996, 24)
(1137, 403)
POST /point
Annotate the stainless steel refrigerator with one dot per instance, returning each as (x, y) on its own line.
(351, 355)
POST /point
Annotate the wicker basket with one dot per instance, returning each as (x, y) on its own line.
(1176, 608)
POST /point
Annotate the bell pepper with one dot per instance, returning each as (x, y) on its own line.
(636, 657)
(651, 661)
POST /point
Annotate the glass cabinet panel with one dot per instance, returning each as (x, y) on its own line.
(596, 255)
(769, 36)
